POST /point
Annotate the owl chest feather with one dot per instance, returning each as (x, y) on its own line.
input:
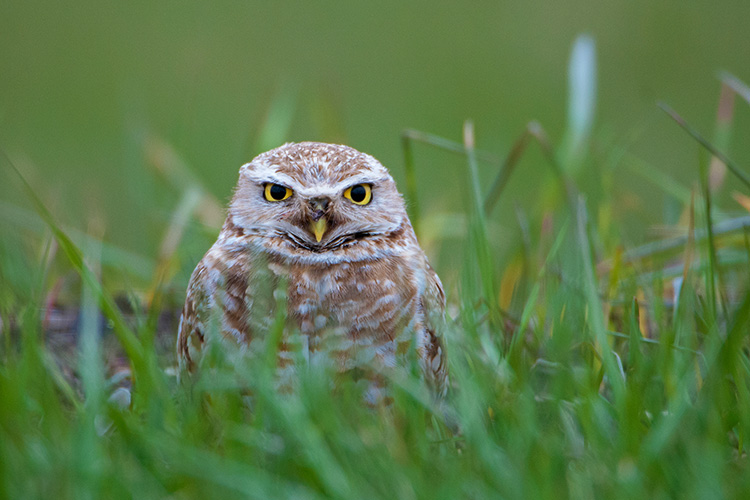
(351, 313)
(371, 299)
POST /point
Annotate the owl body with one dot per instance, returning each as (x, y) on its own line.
(325, 224)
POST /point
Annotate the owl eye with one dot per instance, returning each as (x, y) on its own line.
(277, 192)
(361, 194)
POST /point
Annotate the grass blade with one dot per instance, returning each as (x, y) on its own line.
(737, 171)
(125, 335)
(597, 323)
(581, 100)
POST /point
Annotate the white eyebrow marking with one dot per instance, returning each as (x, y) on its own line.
(264, 172)
(267, 173)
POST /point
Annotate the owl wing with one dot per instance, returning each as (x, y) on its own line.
(191, 334)
(216, 295)
(433, 307)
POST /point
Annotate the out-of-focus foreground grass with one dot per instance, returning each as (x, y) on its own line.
(582, 365)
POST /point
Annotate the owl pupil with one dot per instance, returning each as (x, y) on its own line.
(358, 193)
(277, 192)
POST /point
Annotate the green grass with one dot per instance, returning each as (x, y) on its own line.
(579, 369)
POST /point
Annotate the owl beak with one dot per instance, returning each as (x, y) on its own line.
(319, 227)
(319, 224)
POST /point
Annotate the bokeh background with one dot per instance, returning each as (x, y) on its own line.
(86, 86)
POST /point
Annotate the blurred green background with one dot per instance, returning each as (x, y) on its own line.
(84, 85)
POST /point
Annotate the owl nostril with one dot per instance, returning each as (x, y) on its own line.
(319, 204)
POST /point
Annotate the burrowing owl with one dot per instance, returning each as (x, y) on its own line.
(326, 223)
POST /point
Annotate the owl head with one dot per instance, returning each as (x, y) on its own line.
(314, 198)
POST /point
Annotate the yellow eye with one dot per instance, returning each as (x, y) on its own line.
(277, 192)
(361, 194)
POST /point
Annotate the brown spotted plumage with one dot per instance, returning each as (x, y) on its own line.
(326, 225)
